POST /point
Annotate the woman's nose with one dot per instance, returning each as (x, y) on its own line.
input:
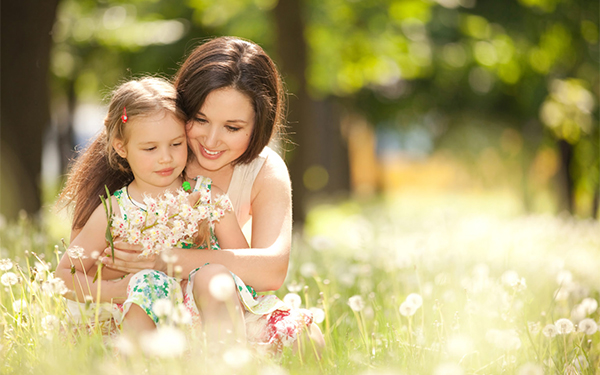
(211, 138)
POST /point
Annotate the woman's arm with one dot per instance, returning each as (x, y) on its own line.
(264, 266)
(227, 229)
(78, 269)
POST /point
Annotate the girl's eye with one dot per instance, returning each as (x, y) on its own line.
(177, 144)
(150, 149)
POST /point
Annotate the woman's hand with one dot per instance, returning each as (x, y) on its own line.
(127, 259)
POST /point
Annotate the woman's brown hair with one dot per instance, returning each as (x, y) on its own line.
(228, 62)
(99, 165)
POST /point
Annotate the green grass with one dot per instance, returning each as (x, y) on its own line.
(487, 274)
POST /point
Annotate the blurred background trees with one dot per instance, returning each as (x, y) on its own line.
(385, 95)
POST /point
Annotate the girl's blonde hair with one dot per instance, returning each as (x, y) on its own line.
(100, 165)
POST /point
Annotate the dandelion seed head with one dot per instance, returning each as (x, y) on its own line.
(510, 278)
(458, 346)
(9, 279)
(308, 269)
(54, 286)
(561, 294)
(564, 277)
(356, 303)
(580, 363)
(318, 314)
(550, 331)
(294, 287)
(587, 326)
(168, 256)
(534, 327)
(50, 322)
(95, 254)
(530, 369)
(448, 369)
(19, 305)
(181, 315)
(165, 342)
(237, 357)
(564, 326)
(75, 252)
(414, 299)
(293, 300)
(590, 305)
(5, 264)
(407, 309)
(221, 286)
(163, 307)
(124, 345)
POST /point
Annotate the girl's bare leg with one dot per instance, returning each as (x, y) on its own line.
(136, 321)
(222, 321)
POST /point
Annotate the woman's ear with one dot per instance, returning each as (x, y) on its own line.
(119, 147)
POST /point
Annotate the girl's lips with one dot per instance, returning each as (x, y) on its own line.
(165, 172)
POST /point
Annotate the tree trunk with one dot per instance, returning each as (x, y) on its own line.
(315, 126)
(566, 181)
(25, 114)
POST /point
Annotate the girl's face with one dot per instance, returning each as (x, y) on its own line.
(221, 130)
(156, 151)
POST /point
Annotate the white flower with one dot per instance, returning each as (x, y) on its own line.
(564, 277)
(458, 346)
(294, 287)
(181, 315)
(5, 264)
(564, 326)
(415, 300)
(221, 286)
(293, 300)
(318, 314)
(530, 369)
(165, 341)
(19, 305)
(50, 322)
(9, 279)
(356, 303)
(75, 252)
(590, 305)
(587, 326)
(162, 307)
(407, 309)
(550, 331)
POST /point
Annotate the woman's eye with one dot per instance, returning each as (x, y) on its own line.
(232, 128)
(200, 120)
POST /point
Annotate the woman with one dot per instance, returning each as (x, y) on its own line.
(232, 94)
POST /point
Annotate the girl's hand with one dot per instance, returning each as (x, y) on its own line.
(127, 259)
(193, 198)
(119, 288)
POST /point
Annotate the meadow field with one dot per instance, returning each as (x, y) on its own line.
(413, 284)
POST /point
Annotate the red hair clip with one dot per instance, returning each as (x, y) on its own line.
(124, 116)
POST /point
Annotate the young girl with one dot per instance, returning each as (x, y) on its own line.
(142, 152)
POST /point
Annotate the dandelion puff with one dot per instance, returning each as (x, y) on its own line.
(237, 357)
(407, 309)
(510, 278)
(564, 277)
(308, 269)
(124, 345)
(318, 314)
(590, 305)
(163, 307)
(448, 369)
(181, 315)
(550, 331)
(221, 287)
(293, 300)
(169, 257)
(165, 341)
(530, 369)
(75, 252)
(564, 326)
(19, 305)
(294, 287)
(414, 299)
(580, 363)
(356, 303)
(273, 369)
(587, 326)
(534, 327)
(5, 264)
(50, 322)
(9, 278)
(95, 254)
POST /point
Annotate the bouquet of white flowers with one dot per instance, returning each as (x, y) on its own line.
(166, 222)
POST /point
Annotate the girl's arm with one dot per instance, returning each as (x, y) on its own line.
(81, 282)
(264, 265)
(227, 229)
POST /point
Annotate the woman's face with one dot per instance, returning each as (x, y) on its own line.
(221, 130)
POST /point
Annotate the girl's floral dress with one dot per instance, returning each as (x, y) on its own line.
(270, 323)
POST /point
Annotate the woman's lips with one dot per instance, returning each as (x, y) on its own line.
(210, 154)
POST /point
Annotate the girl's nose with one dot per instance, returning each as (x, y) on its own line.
(166, 157)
